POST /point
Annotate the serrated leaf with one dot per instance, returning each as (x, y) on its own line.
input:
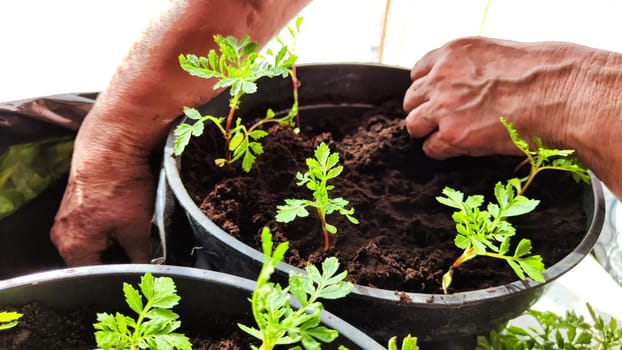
(523, 248)
(133, 298)
(520, 206)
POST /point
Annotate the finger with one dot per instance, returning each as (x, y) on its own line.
(416, 95)
(76, 249)
(420, 122)
(424, 65)
(135, 240)
(437, 147)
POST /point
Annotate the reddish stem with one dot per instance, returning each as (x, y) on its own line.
(323, 220)
(228, 134)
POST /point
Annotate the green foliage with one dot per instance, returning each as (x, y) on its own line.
(9, 319)
(571, 332)
(154, 326)
(486, 231)
(320, 169)
(408, 343)
(277, 322)
(28, 169)
(237, 66)
(544, 158)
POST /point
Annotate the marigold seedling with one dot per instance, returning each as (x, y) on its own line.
(154, 326)
(238, 66)
(321, 169)
(278, 323)
(487, 232)
(552, 331)
(408, 343)
(9, 319)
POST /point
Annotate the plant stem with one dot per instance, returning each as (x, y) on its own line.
(324, 231)
(232, 109)
(295, 85)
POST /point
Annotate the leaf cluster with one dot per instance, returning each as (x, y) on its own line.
(278, 323)
(487, 231)
(155, 324)
(552, 331)
(236, 66)
(9, 319)
(321, 169)
(544, 158)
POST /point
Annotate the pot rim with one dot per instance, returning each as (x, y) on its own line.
(172, 165)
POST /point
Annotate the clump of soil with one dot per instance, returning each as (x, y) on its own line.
(405, 237)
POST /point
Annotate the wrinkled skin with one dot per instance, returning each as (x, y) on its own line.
(568, 95)
(110, 193)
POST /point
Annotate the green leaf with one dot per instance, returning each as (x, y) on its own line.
(291, 209)
(520, 206)
(523, 248)
(9, 319)
(331, 229)
(133, 298)
(236, 140)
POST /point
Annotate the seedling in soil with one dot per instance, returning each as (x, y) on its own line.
(552, 331)
(277, 322)
(238, 66)
(154, 326)
(488, 232)
(321, 169)
(9, 319)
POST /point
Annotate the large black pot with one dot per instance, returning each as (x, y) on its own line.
(203, 293)
(440, 321)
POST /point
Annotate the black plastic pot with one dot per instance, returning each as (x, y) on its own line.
(203, 293)
(440, 321)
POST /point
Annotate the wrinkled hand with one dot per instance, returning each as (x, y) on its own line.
(460, 91)
(109, 197)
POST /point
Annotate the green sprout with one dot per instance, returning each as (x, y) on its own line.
(277, 322)
(237, 67)
(321, 169)
(486, 232)
(553, 331)
(408, 343)
(153, 329)
(9, 319)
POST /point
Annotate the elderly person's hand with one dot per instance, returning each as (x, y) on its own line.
(110, 194)
(569, 95)
(109, 197)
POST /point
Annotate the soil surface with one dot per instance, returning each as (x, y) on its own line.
(404, 240)
(72, 329)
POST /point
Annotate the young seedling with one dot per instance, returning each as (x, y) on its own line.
(280, 324)
(553, 331)
(237, 67)
(321, 169)
(9, 319)
(487, 232)
(408, 343)
(154, 326)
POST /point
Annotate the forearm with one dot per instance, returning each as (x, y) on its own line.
(591, 118)
(149, 89)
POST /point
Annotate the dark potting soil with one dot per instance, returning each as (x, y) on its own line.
(72, 329)
(404, 240)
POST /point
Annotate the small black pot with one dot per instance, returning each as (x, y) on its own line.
(203, 293)
(440, 321)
